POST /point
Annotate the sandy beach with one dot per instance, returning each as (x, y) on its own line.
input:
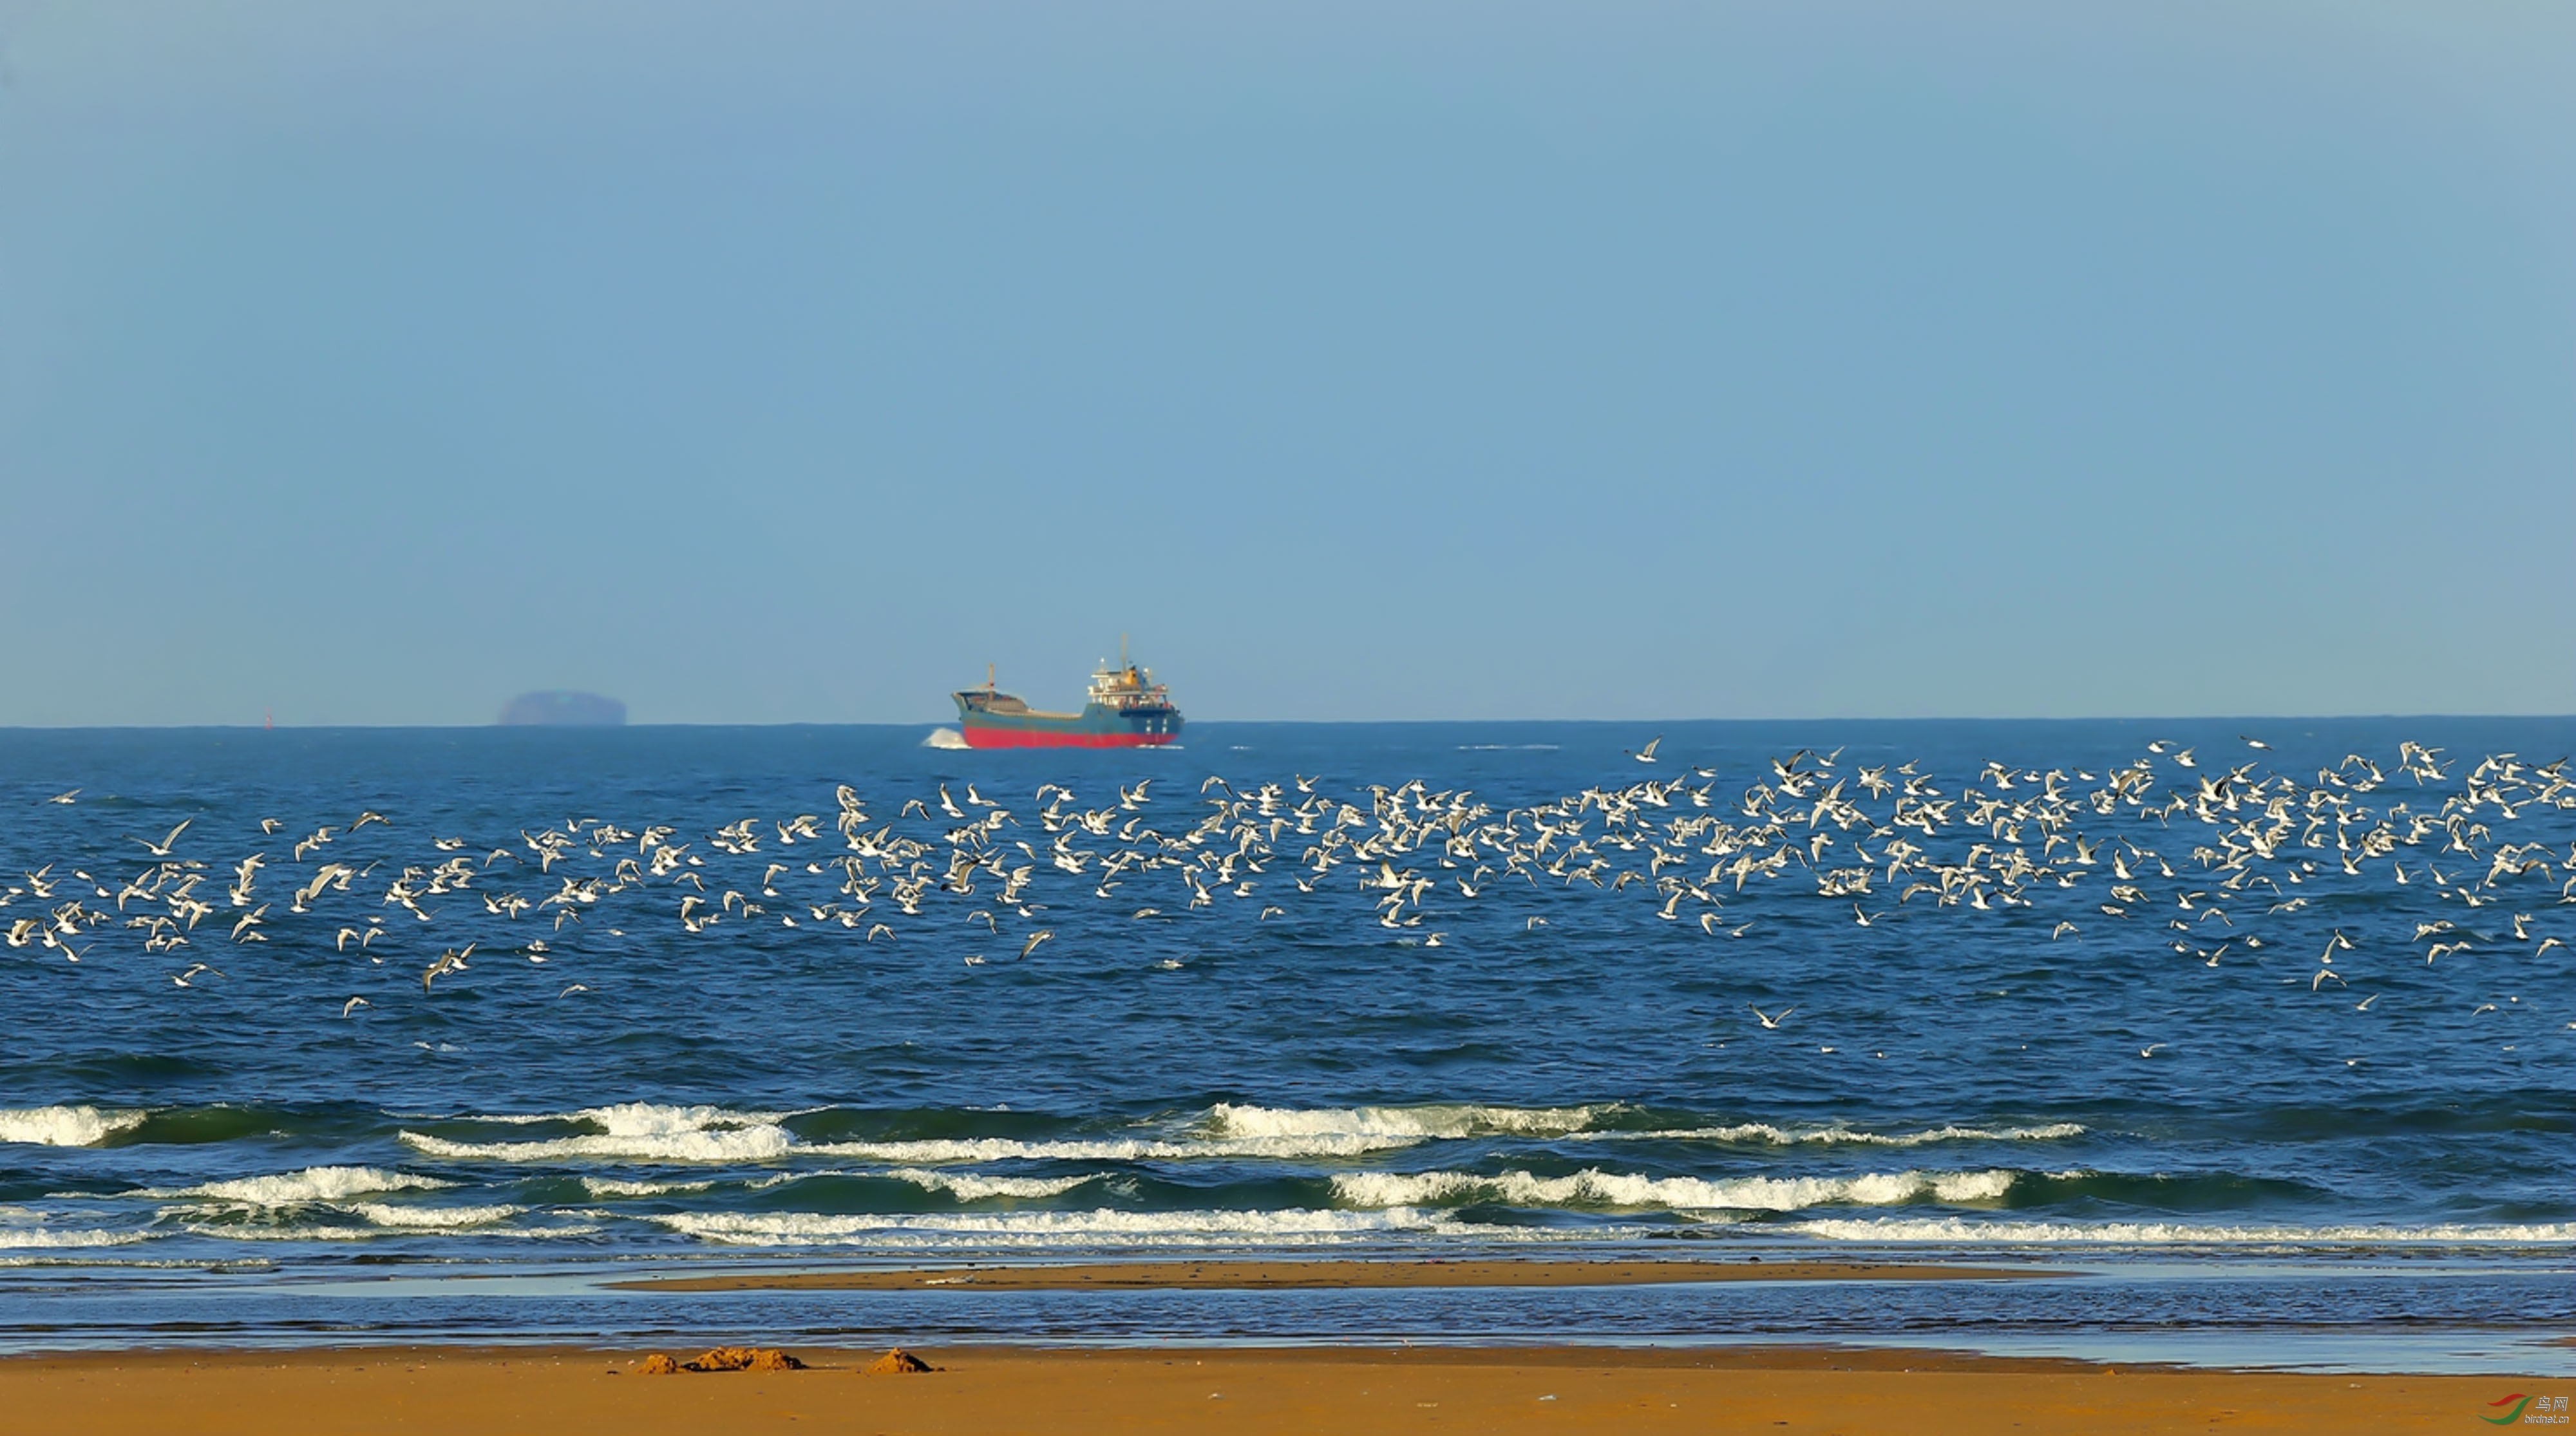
(1311, 1275)
(1075, 1393)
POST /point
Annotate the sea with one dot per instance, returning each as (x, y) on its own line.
(2256, 1038)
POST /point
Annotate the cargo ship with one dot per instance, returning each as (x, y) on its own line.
(1126, 708)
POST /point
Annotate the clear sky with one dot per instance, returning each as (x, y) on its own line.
(370, 363)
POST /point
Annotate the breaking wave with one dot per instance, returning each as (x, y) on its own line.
(957, 1150)
(1958, 1231)
(40, 1238)
(1765, 1132)
(433, 1219)
(64, 1126)
(632, 1132)
(1092, 1228)
(472, 1223)
(23, 1230)
(613, 1187)
(1596, 1188)
(1404, 1124)
(313, 1184)
(967, 1187)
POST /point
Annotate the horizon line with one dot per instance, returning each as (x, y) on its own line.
(1304, 722)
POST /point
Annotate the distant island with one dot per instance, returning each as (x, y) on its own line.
(563, 710)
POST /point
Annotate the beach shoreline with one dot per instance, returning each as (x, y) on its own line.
(1076, 1392)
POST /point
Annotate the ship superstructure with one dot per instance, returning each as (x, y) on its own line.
(1125, 708)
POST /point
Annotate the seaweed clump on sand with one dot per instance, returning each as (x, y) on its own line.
(725, 1358)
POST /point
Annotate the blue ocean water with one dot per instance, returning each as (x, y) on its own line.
(2051, 994)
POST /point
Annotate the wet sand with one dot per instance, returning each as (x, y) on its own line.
(1078, 1393)
(1318, 1275)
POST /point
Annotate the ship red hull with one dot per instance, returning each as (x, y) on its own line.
(978, 736)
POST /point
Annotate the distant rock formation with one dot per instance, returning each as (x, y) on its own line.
(563, 710)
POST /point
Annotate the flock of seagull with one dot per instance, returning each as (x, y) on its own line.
(2196, 855)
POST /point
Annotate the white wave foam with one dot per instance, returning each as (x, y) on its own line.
(1596, 1188)
(625, 1119)
(137, 1263)
(1458, 1120)
(1845, 1136)
(634, 1131)
(1407, 1124)
(649, 1132)
(1958, 1231)
(944, 738)
(749, 1144)
(1090, 1228)
(653, 1119)
(64, 1126)
(313, 1184)
(295, 1232)
(433, 1219)
(940, 1151)
(612, 1187)
(968, 1187)
(17, 1238)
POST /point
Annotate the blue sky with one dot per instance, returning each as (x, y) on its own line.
(770, 362)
